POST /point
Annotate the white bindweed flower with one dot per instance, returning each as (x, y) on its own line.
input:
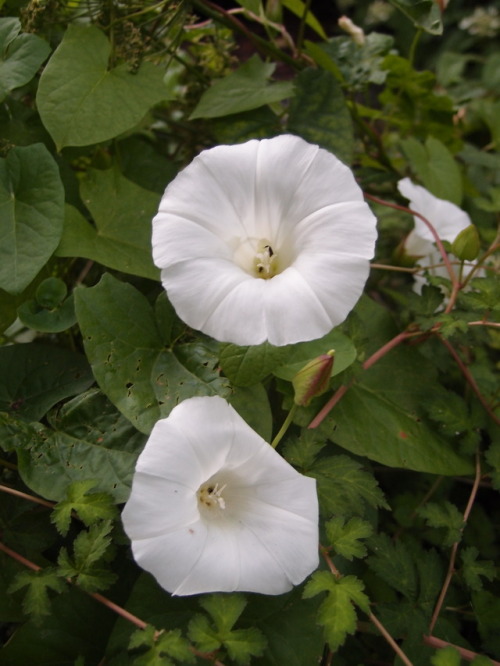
(447, 219)
(265, 240)
(214, 508)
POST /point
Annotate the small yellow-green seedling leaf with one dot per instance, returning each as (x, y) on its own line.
(36, 601)
(448, 656)
(160, 646)
(345, 537)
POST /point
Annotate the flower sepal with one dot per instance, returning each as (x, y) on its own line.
(466, 245)
(313, 379)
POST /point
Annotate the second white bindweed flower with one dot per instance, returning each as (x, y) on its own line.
(214, 508)
(266, 240)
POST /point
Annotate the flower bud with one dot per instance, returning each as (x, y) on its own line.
(313, 379)
(356, 33)
(466, 245)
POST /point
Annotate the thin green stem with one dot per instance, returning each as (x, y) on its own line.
(302, 26)
(284, 427)
(413, 46)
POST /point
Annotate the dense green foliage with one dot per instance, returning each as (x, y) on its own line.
(101, 104)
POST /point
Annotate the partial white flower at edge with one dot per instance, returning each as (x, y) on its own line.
(214, 508)
(265, 240)
(447, 219)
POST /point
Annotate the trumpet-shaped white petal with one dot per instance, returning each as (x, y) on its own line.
(213, 507)
(266, 240)
(447, 219)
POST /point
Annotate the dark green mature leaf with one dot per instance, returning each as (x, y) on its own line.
(473, 569)
(424, 14)
(337, 613)
(139, 375)
(85, 567)
(446, 516)
(393, 562)
(225, 610)
(90, 440)
(319, 113)
(435, 166)
(21, 54)
(252, 404)
(77, 86)
(246, 88)
(303, 450)
(34, 377)
(122, 212)
(36, 600)
(31, 214)
(245, 366)
(344, 537)
(354, 488)
(90, 507)
(383, 419)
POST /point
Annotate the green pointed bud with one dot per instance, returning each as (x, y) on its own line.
(466, 245)
(313, 379)
(274, 11)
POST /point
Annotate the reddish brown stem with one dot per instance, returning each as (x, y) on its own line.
(468, 655)
(470, 379)
(30, 498)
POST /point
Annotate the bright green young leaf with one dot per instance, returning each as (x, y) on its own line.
(224, 609)
(444, 516)
(34, 377)
(90, 507)
(337, 614)
(436, 168)
(319, 113)
(21, 54)
(298, 7)
(344, 487)
(86, 566)
(38, 583)
(31, 214)
(122, 212)
(345, 537)
(77, 87)
(245, 366)
(50, 311)
(246, 88)
(447, 656)
(139, 375)
(160, 646)
(473, 569)
(424, 14)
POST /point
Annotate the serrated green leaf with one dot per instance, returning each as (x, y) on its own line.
(345, 537)
(392, 561)
(161, 645)
(77, 86)
(445, 516)
(224, 609)
(447, 656)
(435, 166)
(90, 507)
(246, 88)
(32, 209)
(319, 113)
(203, 634)
(122, 212)
(245, 366)
(34, 377)
(337, 614)
(139, 375)
(302, 451)
(344, 487)
(242, 644)
(424, 14)
(22, 55)
(484, 294)
(36, 601)
(473, 569)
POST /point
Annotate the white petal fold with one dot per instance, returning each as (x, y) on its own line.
(262, 537)
(283, 193)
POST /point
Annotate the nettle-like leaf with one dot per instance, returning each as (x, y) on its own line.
(77, 86)
(319, 113)
(121, 237)
(448, 656)
(90, 507)
(444, 516)
(32, 203)
(344, 487)
(473, 569)
(162, 647)
(302, 451)
(245, 366)
(90, 549)
(345, 537)
(337, 614)
(211, 634)
(36, 601)
(392, 561)
(21, 55)
(246, 88)
(142, 377)
(484, 295)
